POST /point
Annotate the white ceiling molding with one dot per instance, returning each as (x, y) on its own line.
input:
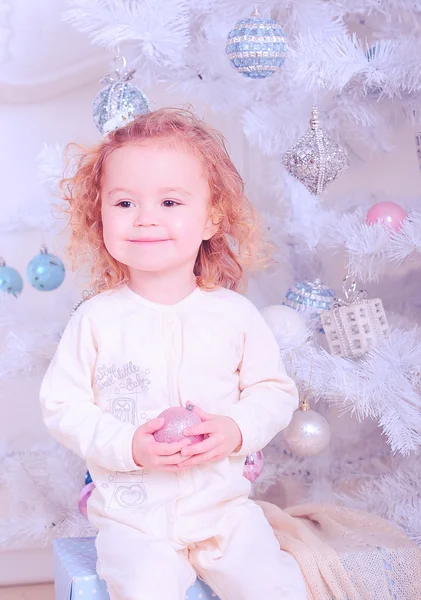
(43, 86)
(40, 55)
(5, 29)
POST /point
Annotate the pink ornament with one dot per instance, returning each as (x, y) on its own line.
(177, 418)
(253, 466)
(84, 497)
(391, 215)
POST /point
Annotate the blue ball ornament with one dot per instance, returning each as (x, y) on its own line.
(10, 280)
(257, 46)
(45, 271)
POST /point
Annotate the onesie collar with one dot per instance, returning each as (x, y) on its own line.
(181, 305)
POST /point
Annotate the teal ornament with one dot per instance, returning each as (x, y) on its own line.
(371, 52)
(374, 89)
(120, 101)
(45, 271)
(257, 46)
(312, 297)
(10, 280)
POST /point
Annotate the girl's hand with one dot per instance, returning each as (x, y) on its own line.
(153, 455)
(223, 438)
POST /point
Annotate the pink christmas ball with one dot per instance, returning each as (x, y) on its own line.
(84, 497)
(177, 418)
(391, 215)
(253, 466)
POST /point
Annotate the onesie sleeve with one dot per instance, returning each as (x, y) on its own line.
(68, 403)
(268, 396)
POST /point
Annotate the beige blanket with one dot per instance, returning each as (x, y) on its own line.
(346, 554)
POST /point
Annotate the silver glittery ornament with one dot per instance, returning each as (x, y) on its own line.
(315, 160)
(85, 296)
(257, 46)
(418, 142)
(308, 433)
(119, 101)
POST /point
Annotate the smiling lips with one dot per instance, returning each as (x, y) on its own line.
(148, 241)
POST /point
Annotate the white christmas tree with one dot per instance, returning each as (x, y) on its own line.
(359, 63)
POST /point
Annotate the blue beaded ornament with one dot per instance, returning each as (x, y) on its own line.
(120, 101)
(257, 46)
(10, 280)
(45, 271)
(88, 478)
(312, 297)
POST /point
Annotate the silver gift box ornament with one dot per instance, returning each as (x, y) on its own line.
(355, 324)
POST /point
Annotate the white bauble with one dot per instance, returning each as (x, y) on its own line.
(287, 325)
(308, 433)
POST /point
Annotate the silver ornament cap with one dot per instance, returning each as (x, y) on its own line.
(315, 160)
(308, 433)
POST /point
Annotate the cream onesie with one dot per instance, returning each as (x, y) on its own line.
(121, 361)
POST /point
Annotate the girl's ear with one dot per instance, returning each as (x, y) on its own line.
(212, 225)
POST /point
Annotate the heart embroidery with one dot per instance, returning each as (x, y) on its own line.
(132, 495)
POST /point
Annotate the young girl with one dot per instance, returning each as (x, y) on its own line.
(159, 209)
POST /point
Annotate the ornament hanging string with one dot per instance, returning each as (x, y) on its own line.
(308, 432)
(304, 401)
(120, 61)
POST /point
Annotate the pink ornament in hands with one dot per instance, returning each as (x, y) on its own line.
(84, 497)
(177, 419)
(253, 466)
(389, 214)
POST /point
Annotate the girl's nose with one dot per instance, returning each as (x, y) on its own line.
(146, 217)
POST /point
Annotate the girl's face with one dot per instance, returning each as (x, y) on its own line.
(155, 203)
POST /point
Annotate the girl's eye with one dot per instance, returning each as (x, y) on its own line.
(170, 203)
(125, 203)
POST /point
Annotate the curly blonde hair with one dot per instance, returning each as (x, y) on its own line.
(235, 248)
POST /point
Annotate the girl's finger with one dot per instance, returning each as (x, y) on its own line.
(201, 413)
(167, 449)
(170, 469)
(206, 446)
(200, 428)
(200, 459)
(152, 425)
(174, 459)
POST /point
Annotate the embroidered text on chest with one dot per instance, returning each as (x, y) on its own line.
(126, 377)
